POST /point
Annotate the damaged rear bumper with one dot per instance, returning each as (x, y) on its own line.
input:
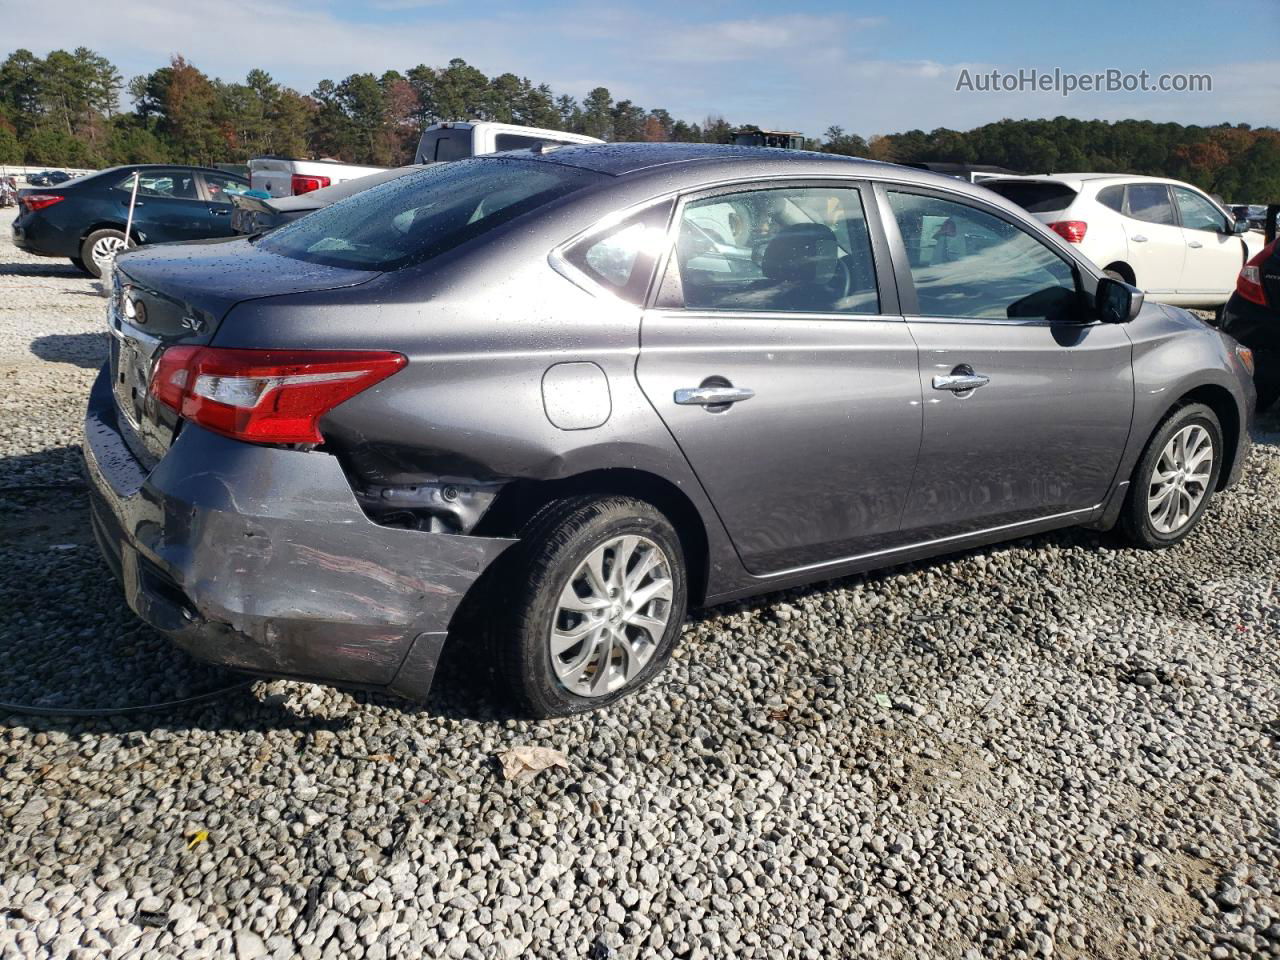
(260, 559)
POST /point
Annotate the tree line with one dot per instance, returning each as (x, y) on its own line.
(65, 109)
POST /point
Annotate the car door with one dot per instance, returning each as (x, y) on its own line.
(1027, 401)
(1214, 253)
(1157, 248)
(217, 190)
(784, 371)
(169, 205)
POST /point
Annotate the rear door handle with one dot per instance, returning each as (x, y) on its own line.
(1139, 238)
(960, 382)
(712, 396)
(219, 213)
(1195, 244)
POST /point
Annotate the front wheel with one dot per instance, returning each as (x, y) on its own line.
(1174, 479)
(594, 597)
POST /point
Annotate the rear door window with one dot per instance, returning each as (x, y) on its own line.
(174, 184)
(777, 250)
(1149, 202)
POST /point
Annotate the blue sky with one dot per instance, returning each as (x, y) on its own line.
(873, 67)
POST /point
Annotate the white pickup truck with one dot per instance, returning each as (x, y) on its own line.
(456, 139)
(282, 177)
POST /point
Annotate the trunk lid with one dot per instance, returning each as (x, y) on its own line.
(179, 293)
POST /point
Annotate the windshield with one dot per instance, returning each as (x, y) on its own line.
(424, 214)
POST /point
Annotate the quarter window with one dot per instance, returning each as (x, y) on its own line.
(622, 258)
(1198, 213)
(788, 250)
(967, 263)
(1150, 202)
(1112, 198)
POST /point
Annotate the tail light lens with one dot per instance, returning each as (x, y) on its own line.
(38, 201)
(265, 396)
(1249, 283)
(1070, 230)
(300, 184)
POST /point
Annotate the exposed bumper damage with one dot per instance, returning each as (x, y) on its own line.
(260, 559)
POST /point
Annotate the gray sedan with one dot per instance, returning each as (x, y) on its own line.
(539, 404)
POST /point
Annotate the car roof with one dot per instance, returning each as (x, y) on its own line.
(1078, 179)
(170, 166)
(621, 159)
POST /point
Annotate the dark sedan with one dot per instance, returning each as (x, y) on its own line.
(1252, 316)
(84, 219)
(545, 401)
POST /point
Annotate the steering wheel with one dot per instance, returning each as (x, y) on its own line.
(841, 283)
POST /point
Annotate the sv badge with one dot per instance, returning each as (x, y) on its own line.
(193, 324)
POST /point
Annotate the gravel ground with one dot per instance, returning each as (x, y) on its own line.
(1052, 747)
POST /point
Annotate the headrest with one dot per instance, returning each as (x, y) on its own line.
(802, 253)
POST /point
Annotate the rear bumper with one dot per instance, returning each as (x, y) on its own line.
(1258, 328)
(34, 234)
(260, 559)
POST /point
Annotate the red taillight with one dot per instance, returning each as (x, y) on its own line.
(300, 184)
(1070, 230)
(38, 201)
(265, 396)
(1249, 283)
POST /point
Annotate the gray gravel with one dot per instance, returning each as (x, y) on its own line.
(1053, 747)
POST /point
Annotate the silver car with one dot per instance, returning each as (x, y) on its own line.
(540, 404)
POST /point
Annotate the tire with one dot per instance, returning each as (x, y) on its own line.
(1137, 521)
(106, 237)
(530, 596)
(79, 265)
(1115, 275)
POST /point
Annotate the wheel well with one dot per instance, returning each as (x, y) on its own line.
(1223, 404)
(84, 234)
(521, 499)
(1124, 270)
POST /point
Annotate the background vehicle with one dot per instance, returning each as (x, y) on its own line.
(8, 191)
(456, 139)
(1252, 316)
(255, 214)
(1164, 236)
(283, 177)
(439, 388)
(48, 178)
(84, 219)
(781, 139)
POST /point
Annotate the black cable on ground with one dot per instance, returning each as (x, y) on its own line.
(34, 710)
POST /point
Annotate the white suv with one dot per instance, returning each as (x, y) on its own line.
(1164, 236)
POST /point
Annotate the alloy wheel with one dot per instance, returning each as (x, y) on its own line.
(104, 251)
(1180, 479)
(611, 616)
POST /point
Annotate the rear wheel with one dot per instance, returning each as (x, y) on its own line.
(1174, 479)
(593, 599)
(99, 250)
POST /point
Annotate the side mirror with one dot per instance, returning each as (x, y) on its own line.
(1117, 302)
(1241, 226)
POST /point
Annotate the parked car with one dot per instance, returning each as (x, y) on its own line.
(1252, 316)
(255, 214)
(84, 219)
(1167, 237)
(285, 177)
(48, 178)
(429, 408)
(457, 140)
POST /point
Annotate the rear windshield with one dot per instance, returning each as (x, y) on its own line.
(423, 214)
(1034, 196)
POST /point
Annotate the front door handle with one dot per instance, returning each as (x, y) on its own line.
(1139, 238)
(712, 396)
(1195, 244)
(219, 213)
(960, 382)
